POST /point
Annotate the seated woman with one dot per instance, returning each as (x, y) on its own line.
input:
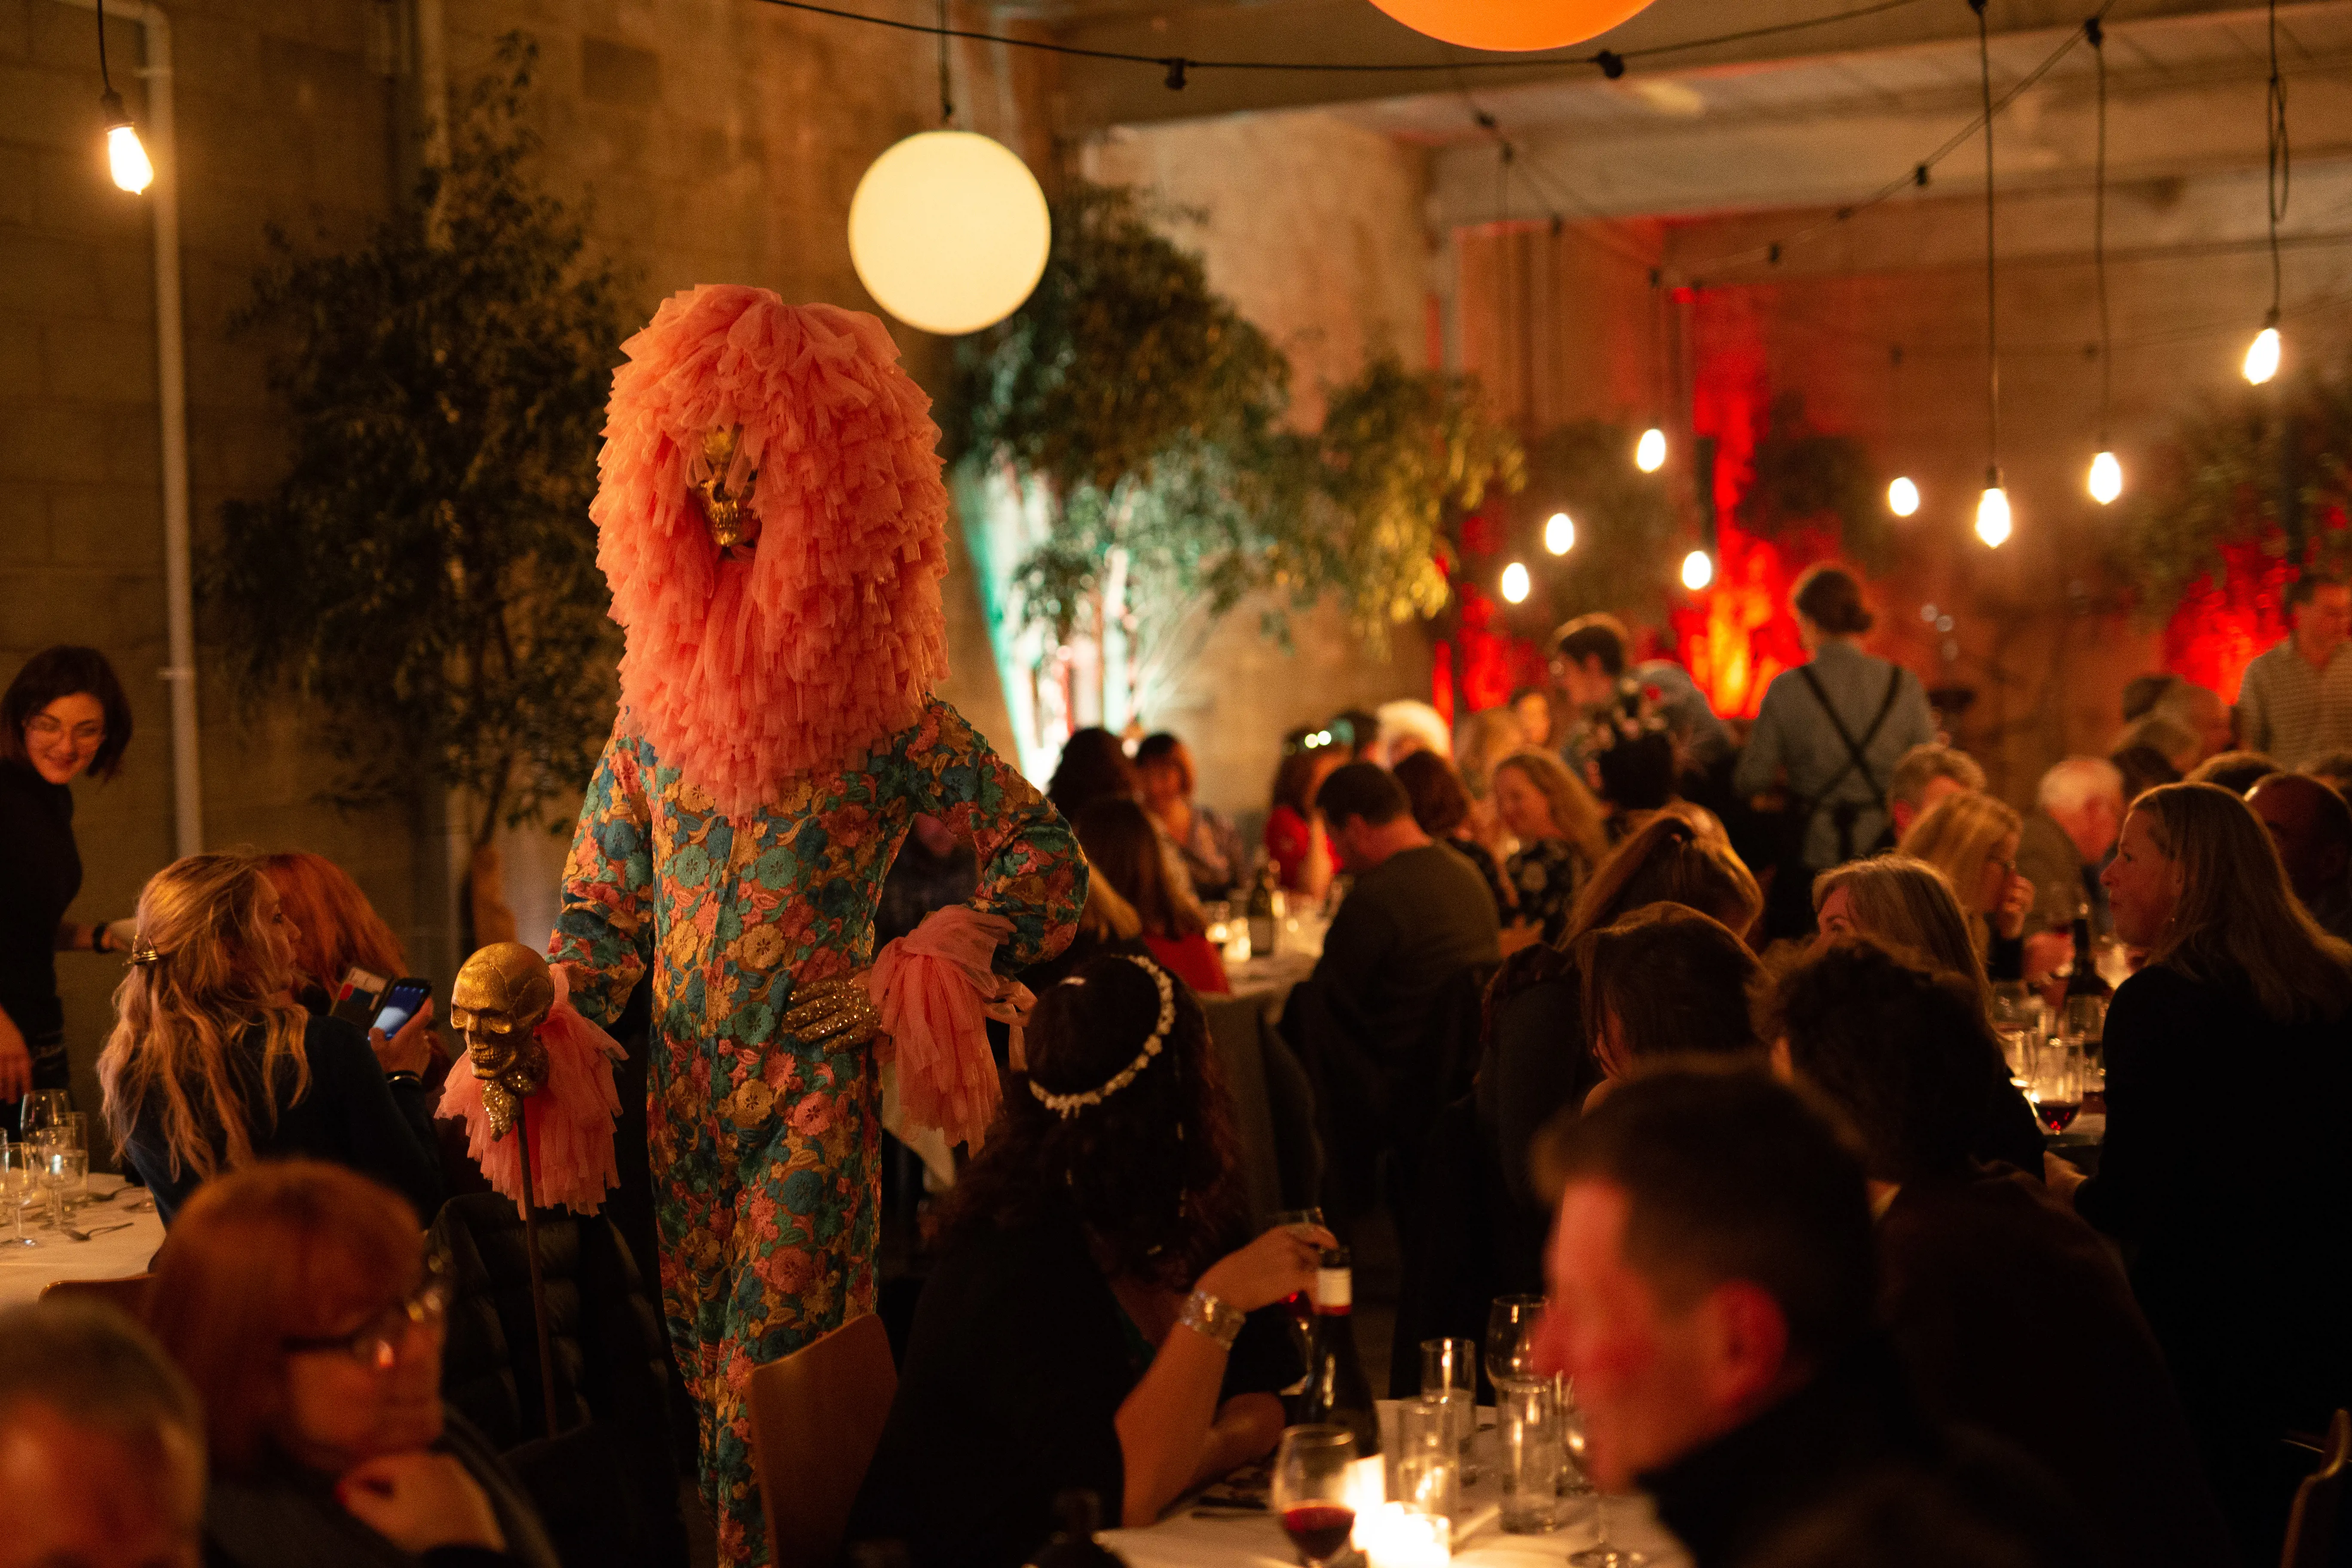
(1666, 980)
(1972, 839)
(1441, 806)
(296, 1297)
(1126, 851)
(336, 931)
(1208, 845)
(1079, 1328)
(2240, 1265)
(1295, 839)
(1909, 906)
(213, 1066)
(1557, 824)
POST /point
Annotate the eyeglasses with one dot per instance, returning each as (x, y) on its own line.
(49, 729)
(376, 1344)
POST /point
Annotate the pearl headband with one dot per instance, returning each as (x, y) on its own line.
(1069, 1105)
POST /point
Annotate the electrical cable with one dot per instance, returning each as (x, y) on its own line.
(1992, 316)
(2092, 31)
(1610, 63)
(2276, 173)
(946, 101)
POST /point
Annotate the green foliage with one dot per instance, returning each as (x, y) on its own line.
(425, 575)
(1149, 414)
(2228, 466)
(1627, 533)
(1805, 479)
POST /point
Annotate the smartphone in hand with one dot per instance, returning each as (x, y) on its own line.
(401, 1000)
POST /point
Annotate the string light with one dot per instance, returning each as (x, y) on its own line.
(1511, 24)
(1902, 497)
(1698, 570)
(1559, 533)
(126, 156)
(1650, 451)
(2262, 355)
(1515, 582)
(1992, 512)
(949, 231)
(2107, 481)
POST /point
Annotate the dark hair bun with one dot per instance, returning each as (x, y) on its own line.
(1831, 598)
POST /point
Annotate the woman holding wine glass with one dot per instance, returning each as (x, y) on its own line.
(2243, 1003)
(1096, 1318)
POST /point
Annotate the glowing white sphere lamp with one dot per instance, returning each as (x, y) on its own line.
(1698, 570)
(1559, 533)
(1992, 516)
(1511, 24)
(949, 231)
(2107, 478)
(1515, 582)
(1650, 451)
(1902, 497)
(126, 156)
(2262, 353)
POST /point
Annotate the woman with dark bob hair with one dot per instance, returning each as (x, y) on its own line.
(1091, 1322)
(63, 716)
(296, 1297)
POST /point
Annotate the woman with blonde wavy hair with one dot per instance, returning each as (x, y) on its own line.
(1561, 839)
(1973, 839)
(213, 1064)
(2228, 1158)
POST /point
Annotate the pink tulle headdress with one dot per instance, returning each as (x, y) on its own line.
(827, 638)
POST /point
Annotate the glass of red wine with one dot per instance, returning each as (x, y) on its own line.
(2056, 1083)
(1310, 1491)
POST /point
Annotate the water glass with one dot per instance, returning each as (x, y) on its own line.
(43, 1109)
(60, 1170)
(1534, 1455)
(1449, 1375)
(1511, 1340)
(2018, 1019)
(17, 1185)
(1428, 1468)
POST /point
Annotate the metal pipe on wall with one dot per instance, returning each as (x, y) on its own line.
(172, 397)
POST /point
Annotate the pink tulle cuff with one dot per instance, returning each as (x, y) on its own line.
(931, 986)
(570, 1118)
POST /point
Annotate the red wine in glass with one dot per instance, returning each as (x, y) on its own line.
(2057, 1114)
(1318, 1530)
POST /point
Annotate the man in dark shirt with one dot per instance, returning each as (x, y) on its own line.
(1711, 1276)
(1389, 1019)
(2313, 829)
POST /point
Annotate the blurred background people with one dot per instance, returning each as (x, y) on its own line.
(1125, 850)
(1925, 774)
(1295, 838)
(1441, 807)
(2312, 829)
(2078, 805)
(1092, 765)
(1211, 848)
(2294, 702)
(1561, 838)
(1973, 840)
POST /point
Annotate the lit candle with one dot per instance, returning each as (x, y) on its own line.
(1393, 1536)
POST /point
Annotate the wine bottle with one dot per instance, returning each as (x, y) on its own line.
(1077, 1514)
(1337, 1394)
(1265, 913)
(2086, 981)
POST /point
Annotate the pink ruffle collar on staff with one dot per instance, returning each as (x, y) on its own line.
(932, 988)
(570, 1118)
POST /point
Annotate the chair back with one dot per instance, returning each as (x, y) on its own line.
(2311, 1521)
(129, 1293)
(816, 1418)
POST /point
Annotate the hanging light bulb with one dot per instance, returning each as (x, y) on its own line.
(124, 154)
(949, 231)
(1698, 570)
(1559, 533)
(1992, 512)
(1515, 582)
(2262, 353)
(2107, 478)
(1650, 451)
(1511, 24)
(1902, 497)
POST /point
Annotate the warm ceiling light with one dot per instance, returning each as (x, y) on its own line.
(125, 156)
(1515, 582)
(1511, 24)
(2107, 478)
(1698, 570)
(1559, 533)
(1903, 498)
(1992, 516)
(949, 231)
(2262, 356)
(1650, 451)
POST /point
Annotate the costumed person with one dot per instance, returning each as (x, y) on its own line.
(772, 522)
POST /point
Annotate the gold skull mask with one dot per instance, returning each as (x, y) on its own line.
(729, 514)
(502, 995)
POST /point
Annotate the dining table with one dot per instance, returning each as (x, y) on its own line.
(109, 1253)
(1195, 1534)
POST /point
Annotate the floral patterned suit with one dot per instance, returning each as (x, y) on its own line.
(765, 1148)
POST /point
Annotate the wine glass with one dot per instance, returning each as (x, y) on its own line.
(43, 1109)
(1599, 1554)
(18, 1186)
(2055, 1085)
(1511, 1340)
(1311, 1491)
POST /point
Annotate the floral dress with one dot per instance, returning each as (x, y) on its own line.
(1545, 874)
(765, 1149)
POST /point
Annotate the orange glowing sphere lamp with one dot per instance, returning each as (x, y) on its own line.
(1511, 24)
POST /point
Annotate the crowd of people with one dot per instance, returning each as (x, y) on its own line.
(1690, 1030)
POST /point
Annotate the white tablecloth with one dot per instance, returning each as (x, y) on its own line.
(1240, 1540)
(24, 1270)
